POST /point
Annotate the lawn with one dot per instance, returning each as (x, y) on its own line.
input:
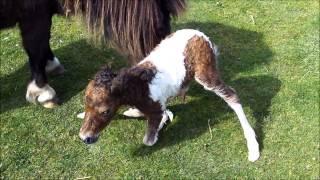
(269, 52)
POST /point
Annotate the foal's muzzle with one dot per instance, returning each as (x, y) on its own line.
(90, 140)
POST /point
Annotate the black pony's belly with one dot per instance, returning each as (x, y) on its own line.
(7, 22)
(8, 15)
(15, 11)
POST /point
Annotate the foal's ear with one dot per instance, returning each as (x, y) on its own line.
(109, 71)
(144, 74)
(104, 76)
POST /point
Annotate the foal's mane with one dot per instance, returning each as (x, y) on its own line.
(132, 81)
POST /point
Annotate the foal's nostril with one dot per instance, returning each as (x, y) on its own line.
(90, 140)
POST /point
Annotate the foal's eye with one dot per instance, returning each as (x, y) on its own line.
(106, 113)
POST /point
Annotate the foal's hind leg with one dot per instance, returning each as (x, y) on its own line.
(211, 81)
(35, 33)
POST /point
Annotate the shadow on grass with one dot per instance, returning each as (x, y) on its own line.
(191, 119)
(81, 61)
(240, 52)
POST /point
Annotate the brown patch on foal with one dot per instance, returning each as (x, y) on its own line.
(201, 63)
(200, 60)
(96, 103)
(99, 104)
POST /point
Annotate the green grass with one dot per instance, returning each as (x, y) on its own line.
(269, 54)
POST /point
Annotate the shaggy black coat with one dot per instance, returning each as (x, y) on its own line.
(134, 27)
(34, 20)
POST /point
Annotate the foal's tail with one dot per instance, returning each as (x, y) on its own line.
(132, 26)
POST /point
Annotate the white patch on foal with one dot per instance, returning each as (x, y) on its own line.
(167, 115)
(252, 144)
(170, 114)
(168, 58)
(133, 112)
(40, 95)
(81, 115)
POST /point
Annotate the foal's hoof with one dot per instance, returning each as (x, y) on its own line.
(150, 140)
(45, 96)
(253, 156)
(254, 152)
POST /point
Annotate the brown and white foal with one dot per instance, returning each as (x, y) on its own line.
(185, 55)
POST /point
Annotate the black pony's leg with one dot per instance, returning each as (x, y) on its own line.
(53, 65)
(35, 33)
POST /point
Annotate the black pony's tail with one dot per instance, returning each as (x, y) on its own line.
(134, 27)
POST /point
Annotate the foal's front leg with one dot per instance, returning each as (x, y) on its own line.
(155, 122)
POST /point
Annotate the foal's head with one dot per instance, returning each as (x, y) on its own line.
(100, 106)
(107, 92)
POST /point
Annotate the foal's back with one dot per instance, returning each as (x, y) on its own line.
(170, 59)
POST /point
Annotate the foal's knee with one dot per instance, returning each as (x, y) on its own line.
(227, 93)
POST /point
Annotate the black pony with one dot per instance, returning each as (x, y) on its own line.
(132, 26)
